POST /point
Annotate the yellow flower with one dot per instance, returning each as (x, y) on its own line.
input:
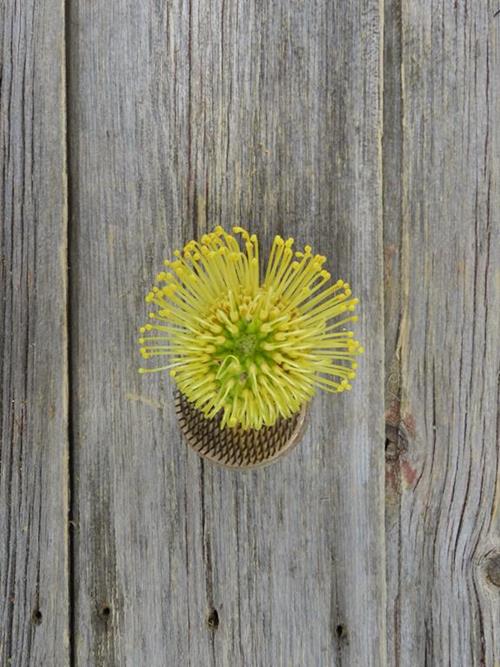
(255, 350)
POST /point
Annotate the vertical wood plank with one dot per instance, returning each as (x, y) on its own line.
(442, 486)
(34, 609)
(129, 166)
(185, 115)
(286, 135)
(392, 230)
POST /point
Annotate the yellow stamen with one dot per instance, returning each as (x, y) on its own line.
(248, 350)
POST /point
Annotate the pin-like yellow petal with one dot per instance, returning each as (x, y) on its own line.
(251, 350)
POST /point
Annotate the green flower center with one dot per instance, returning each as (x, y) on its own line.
(245, 345)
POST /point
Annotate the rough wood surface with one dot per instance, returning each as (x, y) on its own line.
(442, 169)
(34, 612)
(184, 116)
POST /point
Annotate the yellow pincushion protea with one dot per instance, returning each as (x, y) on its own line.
(254, 350)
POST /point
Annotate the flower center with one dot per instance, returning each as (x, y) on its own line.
(245, 346)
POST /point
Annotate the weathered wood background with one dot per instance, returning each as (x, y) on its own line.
(371, 131)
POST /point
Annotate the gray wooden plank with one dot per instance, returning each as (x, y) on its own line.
(442, 507)
(184, 116)
(34, 611)
(392, 230)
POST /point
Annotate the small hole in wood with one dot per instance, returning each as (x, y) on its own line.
(105, 611)
(341, 631)
(36, 616)
(213, 619)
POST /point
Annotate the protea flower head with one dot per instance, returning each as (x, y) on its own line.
(254, 349)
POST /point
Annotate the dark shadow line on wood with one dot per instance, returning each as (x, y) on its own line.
(207, 563)
(71, 527)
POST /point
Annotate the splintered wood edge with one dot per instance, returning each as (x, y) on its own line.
(182, 405)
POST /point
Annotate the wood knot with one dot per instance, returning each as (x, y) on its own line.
(341, 635)
(492, 568)
(391, 450)
(36, 617)
(213, 619)
(341, 631)
(396, 441)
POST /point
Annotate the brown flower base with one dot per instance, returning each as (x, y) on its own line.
(234, 447)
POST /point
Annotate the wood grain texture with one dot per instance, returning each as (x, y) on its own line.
(185, 115)
(188, 114)
(442, 366)
(34, 608)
